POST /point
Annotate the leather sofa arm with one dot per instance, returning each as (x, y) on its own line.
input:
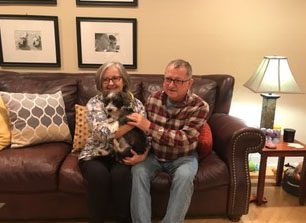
(233, 141)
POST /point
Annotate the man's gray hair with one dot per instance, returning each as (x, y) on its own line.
(178, 63)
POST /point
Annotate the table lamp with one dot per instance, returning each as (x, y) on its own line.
(272, 76)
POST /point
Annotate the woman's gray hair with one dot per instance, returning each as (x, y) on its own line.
(122, 71)
(178, 63)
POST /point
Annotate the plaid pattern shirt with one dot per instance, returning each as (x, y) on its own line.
(174, 130)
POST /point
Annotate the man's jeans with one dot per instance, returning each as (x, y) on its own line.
(182, 170)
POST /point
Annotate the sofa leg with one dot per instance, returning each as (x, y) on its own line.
(234, 218)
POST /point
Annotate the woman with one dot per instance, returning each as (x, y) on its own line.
(108, 180)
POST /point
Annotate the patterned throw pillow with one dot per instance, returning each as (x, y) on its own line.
(205, 142)
(5, 134)
(81, 128)
(36, 118)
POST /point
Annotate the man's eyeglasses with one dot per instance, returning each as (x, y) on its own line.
(114, 79)
(169, 80)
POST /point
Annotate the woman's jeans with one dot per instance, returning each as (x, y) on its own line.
(182, 170)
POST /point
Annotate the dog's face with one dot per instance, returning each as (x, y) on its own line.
(113, 102)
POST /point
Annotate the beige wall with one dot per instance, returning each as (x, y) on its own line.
(216, 36)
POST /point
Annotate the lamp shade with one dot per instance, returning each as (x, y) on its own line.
(273, 76)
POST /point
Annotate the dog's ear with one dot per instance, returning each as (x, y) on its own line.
(126, 99)
(105, 98)
(104, 94)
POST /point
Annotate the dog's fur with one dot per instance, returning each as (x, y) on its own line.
(118, 105)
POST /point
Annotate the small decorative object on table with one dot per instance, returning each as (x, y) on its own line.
(289, 135)
(272, 137)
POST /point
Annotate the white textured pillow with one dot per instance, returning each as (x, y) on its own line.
(36, 118)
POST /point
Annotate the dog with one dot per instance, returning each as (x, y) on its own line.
(118, 105)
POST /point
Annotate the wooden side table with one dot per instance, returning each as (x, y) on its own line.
(281, 151)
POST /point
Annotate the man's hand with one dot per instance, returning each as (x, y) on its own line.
(136, 158)
(139, 121)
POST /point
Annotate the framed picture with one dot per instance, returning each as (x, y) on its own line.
(29, 40)
(28, 2)
(106, 39)
(108, 2)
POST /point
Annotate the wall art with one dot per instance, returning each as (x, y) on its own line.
(29, 40)
(28, 2)
(106, 39)
(108, 2)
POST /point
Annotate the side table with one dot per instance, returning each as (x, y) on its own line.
(281, 151)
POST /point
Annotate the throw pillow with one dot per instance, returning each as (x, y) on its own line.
(36, 118)
(81, 131)
(5, 134)
(205, 142)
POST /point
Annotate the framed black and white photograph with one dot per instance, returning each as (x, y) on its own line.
(29, 40)
(28, 2)
(108, 2)
(100, 40)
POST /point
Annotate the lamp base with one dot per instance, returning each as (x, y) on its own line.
(268, 110)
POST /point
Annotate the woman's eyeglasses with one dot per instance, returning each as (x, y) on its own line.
(169, 80)
(114, 79)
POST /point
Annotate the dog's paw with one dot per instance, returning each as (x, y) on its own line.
(104, 152)
(113, 127)
(123, 120)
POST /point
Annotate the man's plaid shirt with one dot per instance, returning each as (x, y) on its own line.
(174, 131)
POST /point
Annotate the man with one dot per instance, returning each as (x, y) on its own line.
(175, 117)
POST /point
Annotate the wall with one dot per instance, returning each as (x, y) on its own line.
(216, 36)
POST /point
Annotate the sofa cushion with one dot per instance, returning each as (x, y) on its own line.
(205, 142)
(81, 131)
(212, 173)
(207, 90)
(136, 87)
(86, 88)
(36, 118)
(32, 169)
(5, 134)
(70, 177)
(152, 85)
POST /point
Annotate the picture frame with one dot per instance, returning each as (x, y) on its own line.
(100, 40)
(29, 41)
(28, 2)
(108, 2)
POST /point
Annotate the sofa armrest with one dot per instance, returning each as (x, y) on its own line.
(233, 141)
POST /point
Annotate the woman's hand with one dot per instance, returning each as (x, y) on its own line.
(139, 121)
(136, 158)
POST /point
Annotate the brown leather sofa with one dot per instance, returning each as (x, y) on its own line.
(43, 182)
